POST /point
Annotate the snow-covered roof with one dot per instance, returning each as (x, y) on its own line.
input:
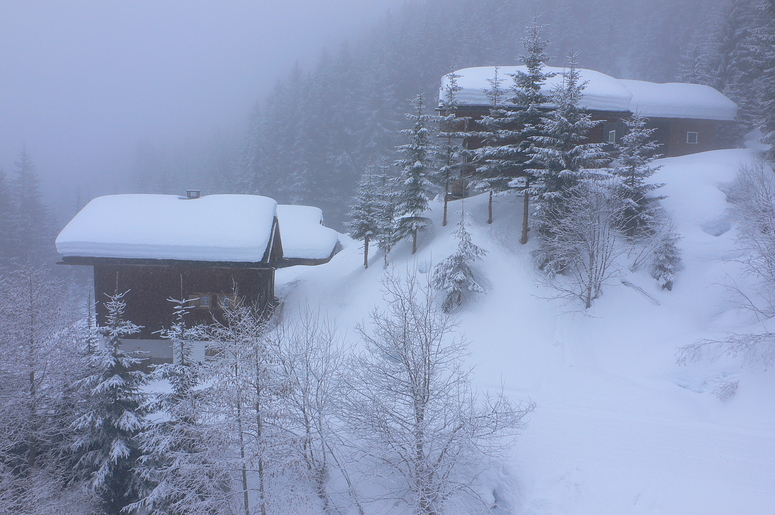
(303, 234)
(231, 228)
(679, 100)
(605, 93)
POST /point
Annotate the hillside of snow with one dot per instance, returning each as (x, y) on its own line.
(620, 427)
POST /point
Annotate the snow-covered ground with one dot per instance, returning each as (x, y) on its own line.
(620, 427)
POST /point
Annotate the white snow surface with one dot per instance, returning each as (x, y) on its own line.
(620, 427)
(605, 93)
(232, 228)
(303, 234)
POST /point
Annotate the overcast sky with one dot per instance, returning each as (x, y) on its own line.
(82, 82)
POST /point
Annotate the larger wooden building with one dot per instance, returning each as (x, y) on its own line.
(688, 118)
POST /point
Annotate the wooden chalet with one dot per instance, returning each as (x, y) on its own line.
(212, 250)
(688, 118)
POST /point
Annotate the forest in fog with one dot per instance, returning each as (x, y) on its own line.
(286, 416)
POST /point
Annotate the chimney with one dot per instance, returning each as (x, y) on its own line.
(192, 194)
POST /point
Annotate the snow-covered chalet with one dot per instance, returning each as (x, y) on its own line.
(688, 118)
(211, 250)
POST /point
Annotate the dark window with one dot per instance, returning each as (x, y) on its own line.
(612, 136)
(692, 138)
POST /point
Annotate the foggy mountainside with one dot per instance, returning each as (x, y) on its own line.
(532, 305)
(317, 132)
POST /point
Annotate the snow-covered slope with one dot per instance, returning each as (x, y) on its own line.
(620, 427)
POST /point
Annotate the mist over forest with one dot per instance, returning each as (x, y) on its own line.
(310, 137)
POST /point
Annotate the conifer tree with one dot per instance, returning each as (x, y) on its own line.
(387, 234)
(633, 166)
(114, 414)
(453, 155)
(764, 61)
(179, 464)
(366, 213)
(33, 229)
(7, 236)
(531, 100)
(495, 158)
(416, 168)
(560, 159)
(453, 275)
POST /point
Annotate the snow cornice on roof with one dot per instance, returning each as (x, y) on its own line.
(604, 93)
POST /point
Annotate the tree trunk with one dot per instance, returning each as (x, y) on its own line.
(526, 202)
(414, 241)
(366, 252)
(446, 199)
(489, 209)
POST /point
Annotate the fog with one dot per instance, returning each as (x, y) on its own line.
(81, 83)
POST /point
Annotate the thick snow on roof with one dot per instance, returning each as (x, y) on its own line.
(605, 93)
(234, 228)
(303, 234)
(679, 100)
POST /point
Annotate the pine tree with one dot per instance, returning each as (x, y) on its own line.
(453, 275)
(633, 166)
(453, 156)
(179, 463)
(7, 234)
(416, 168)
(114, 414)
(495, 159)
(33, 227)
(529, 96)
(387, 235)
(764, 61)
(366, 223)
(560, 158)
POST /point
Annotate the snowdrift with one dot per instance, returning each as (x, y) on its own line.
(620, 427)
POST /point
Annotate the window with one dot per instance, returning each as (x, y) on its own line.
(612, 136)
(204, 301)
(200, 300)
(692, 138)
(226, 301)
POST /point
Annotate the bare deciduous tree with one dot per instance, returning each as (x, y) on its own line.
(584, 241)
(411, 407)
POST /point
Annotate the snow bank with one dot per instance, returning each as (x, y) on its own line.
(605, 93)
(234, 228)
(620, 427)
(303, 234)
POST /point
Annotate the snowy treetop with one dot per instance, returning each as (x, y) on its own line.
(233, 228)
(605, 93)
(303, 234)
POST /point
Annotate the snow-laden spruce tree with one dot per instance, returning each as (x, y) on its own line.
(637, 151)
(495, 160)
(453, 275)
(113, 414)
(423, 435)
(181, 466)
(560, 158)
(763, 60)
(528, 95)
(454, 157)
(416, 168)
(367, 213)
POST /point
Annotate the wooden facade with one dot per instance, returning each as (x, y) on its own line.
(210, 287)
(676, 136)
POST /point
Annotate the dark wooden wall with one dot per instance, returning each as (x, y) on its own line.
(149, 287)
